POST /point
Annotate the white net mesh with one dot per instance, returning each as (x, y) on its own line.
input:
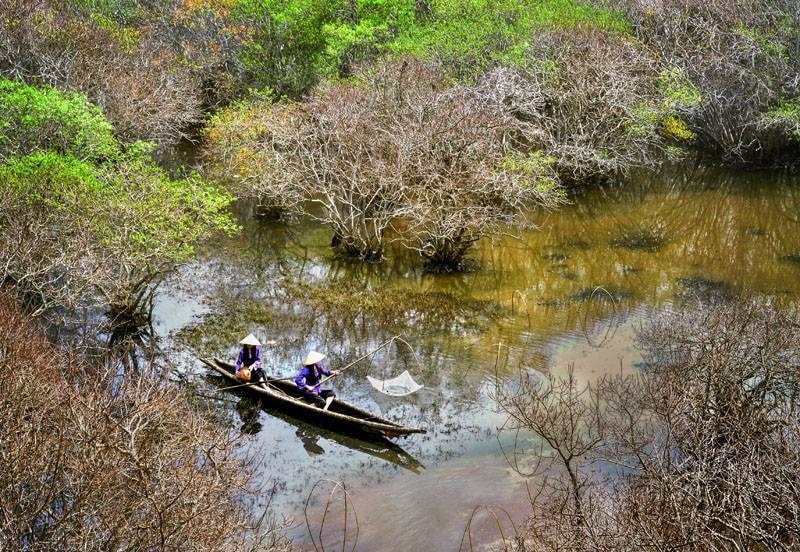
(400, 386)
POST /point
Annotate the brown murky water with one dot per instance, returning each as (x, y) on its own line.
(571, 293)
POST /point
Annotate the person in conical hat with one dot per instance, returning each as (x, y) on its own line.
(248, 363)
(309, 376)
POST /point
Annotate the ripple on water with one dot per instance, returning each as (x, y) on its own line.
(523, 302)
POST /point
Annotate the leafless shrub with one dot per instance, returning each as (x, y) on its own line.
(704, 440)
(403, 145)
(95, 460)
(743, 58)
(588, 98)
(139, 82)
(568, 420)
(724, 390)
(465, 169)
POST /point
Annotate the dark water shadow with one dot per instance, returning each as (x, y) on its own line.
(247, 408)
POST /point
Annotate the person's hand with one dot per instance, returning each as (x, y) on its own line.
(334, 373)
(310, 387)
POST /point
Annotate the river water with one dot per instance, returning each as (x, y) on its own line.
(570, 294)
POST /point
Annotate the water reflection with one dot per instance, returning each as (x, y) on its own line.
(570, 293)
(249, 408)
(310, 441)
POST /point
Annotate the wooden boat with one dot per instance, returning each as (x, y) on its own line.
(314, 438)
(341, 416)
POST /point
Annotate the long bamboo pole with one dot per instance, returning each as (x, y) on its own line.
(252, 383)
(339, 371)
(359, 359)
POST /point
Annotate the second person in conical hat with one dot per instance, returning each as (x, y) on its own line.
(248, 363)
(309, 376)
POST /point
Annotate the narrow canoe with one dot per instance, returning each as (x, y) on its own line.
(341, 416)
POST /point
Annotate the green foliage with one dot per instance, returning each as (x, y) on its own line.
(284, 46)
(53, 181)
(675, 95)
(293, 43)
(673, 127)
(164, 217)
(121, 12)
(536, 168)
(787, 115)
(46, 119)
(764, 39)
(62, 174)
(365, 33)
(135, 208)
(127, 37)
(469, 35)
(788, 109)
(677, 89)
(60, 152)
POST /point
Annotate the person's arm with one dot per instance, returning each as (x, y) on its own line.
(323, 369)
(239, 360)
(257, 363)
(300, 380)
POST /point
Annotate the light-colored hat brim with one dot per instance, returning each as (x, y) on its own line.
(250, 340)
(312, 358)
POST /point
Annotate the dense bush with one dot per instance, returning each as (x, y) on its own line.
(742, 58)
(467, 38)
(43, 118)
(142, 84)
(402, 144)
(93, 460)
(89, 220)
(588, 98)
(705, 440)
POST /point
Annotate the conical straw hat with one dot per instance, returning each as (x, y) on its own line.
(312, 358)
(250, 340)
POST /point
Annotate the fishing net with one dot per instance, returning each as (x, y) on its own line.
(400, 386)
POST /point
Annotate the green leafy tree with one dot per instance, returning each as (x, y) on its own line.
(44, 118)
(90, 220)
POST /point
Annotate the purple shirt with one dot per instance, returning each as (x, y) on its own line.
(310, 375)
(249, 358)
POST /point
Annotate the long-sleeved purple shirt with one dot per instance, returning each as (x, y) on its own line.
(310, 375)
(249, 357)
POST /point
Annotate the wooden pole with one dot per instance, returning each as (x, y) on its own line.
(251, 383)
(356, 361)
(340, 370)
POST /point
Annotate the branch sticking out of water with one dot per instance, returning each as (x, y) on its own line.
(335, 486)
